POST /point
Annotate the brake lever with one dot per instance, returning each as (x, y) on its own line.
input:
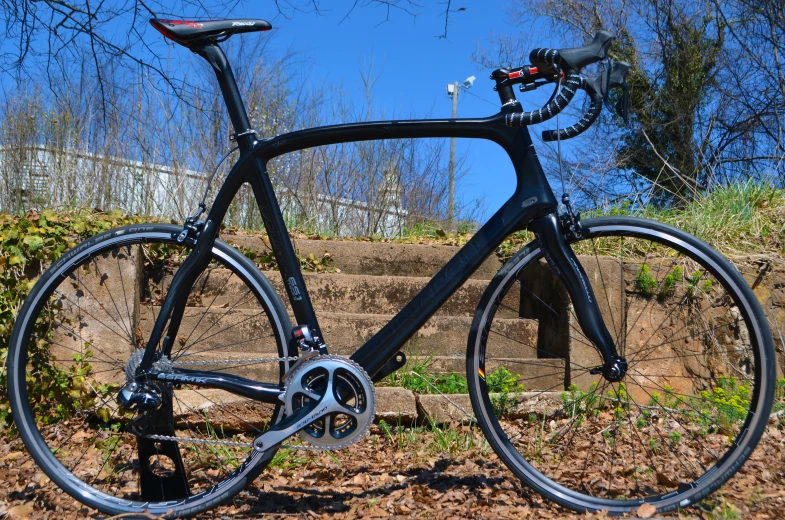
(618, 79)
(613, 76)
(597, 87)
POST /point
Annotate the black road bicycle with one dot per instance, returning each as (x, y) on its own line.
(192, 375)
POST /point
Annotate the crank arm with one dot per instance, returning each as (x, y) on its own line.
(294, 423)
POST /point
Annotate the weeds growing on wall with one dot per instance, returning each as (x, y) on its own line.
(28, 245)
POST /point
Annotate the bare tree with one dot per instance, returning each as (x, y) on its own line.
(150, 152)
(37, 36)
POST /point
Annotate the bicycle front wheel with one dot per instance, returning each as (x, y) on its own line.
(78, 339)
(695, 399)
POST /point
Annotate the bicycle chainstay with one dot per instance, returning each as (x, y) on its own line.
(235, 444)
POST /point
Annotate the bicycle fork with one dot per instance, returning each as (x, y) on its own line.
(562, 259)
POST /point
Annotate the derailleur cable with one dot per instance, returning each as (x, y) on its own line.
(193, 226)
(571, 220)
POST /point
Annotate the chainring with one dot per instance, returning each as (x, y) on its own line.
(351, 387)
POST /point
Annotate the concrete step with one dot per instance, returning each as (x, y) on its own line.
(373, 258)
(362, 294)
(234, 413)
(521, 405)
(396, 406)
(358, 294)
(218, 329)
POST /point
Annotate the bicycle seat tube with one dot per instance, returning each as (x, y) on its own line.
(175, 302)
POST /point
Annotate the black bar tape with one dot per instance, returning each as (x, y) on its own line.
(572, 83)
(546, 57)
(589, 117)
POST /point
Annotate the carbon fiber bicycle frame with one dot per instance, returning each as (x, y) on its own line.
(532, 205)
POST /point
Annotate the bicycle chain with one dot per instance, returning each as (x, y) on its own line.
(177, 363)
(233, 444)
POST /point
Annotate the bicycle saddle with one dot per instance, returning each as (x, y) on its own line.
(187, 32)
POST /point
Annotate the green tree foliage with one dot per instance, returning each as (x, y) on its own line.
(663, 147)
(707, 89)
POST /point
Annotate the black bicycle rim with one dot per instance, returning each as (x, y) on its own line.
(746, 433)
(44, 453)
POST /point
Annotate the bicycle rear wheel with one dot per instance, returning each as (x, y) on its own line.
(697, 394)
(80, 333)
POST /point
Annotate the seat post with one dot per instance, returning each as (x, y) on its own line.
(234, 102)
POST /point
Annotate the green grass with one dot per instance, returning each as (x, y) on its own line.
(779, 401)
(669, 283)
(736, 219)
(721, 409)
(646, 283)
(287, 459)
(437, 439)
(419, 377)
(716, 507)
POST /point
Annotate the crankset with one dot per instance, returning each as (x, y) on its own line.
(329, 400)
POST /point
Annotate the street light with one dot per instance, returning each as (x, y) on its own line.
(452, 91)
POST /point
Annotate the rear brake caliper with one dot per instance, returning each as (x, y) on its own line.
(191, 228)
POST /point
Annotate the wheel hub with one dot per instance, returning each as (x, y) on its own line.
(613, 372)
(348, 384)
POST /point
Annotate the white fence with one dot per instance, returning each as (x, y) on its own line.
(40, 177)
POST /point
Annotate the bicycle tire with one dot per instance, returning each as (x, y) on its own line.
(669, 429)
(133, 245)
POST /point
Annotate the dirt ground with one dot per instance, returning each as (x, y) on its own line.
(390, 475)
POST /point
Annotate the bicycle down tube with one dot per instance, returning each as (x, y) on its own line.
(532, 206)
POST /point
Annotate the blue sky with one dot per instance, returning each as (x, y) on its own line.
(414, 67)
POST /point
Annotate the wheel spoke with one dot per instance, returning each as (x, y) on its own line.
(623, 441)
(80, 422)
(212, 302)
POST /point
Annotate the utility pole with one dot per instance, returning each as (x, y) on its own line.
(452, 91)
(451, 189)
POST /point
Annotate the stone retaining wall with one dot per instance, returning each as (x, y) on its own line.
(764, 273)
